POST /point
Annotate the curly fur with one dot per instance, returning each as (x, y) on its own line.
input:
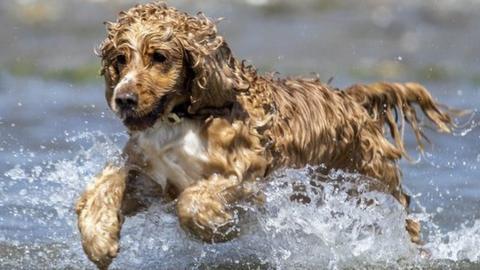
(207, 127)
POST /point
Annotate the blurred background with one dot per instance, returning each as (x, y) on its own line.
(56, 130)
(429, 40)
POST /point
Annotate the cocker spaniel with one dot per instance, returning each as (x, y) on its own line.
(204, 128)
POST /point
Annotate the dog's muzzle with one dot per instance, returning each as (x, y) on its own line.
(126, 101)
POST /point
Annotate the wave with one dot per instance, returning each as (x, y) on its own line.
(334, 230)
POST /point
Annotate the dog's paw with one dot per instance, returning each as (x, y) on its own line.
(413, 229)
(100, 236)
(100, 233)
(102, 257)
(99, 218)
(207, 217)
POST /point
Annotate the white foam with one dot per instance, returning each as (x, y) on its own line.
(333, 231)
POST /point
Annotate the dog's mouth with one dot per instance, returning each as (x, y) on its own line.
(170, 109)
(164, 110)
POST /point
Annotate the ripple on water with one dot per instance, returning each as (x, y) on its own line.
(334, 231)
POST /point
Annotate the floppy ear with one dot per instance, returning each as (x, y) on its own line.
(217, 76)
(108, 69)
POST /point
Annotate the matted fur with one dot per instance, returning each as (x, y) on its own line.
(235, 127)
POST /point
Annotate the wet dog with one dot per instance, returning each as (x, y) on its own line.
(204, 127)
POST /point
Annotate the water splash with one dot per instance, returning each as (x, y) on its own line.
(334, 230)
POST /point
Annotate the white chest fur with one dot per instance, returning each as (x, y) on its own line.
(175, 152)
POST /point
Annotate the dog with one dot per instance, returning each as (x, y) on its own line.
(204, 128)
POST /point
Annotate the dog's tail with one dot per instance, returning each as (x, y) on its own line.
(384, 101)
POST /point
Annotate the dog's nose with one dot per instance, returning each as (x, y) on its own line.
(126, 101)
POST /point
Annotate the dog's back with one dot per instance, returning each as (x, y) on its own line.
(315, 124)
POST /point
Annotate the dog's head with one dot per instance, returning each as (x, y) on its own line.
(157, 60)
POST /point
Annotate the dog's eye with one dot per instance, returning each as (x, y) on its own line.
(121, 59)
(158, 57)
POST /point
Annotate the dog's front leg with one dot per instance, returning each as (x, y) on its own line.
(99, 215)
(204, 208)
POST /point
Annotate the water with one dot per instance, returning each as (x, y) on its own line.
(41, 182)
(55, 135)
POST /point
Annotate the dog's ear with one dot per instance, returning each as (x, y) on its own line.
(216, 75)
(108, 69)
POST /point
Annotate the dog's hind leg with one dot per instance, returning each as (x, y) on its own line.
(99, 215)
(412, 226)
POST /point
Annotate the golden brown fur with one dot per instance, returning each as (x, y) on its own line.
(205, 127)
